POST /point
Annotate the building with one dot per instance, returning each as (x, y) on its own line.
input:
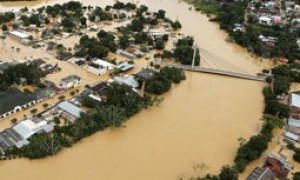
(264, 20)
(13, 100)
(145, 74)
(68, 110)
(18, 135)
(291, 137)
(293, 126)
(70, 82)
(126, 54)
(128, 80)
(98, 88)
(295, 105)
(18, 35)
(125, 66)
(279, 167)
(261, 173)
(100, 67)
(64, 56)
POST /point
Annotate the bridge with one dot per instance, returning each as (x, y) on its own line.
(213, 64)
(223, 72)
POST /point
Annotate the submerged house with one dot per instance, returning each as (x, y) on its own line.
(100, 67)
(125, 66)
(13, 100)
(70, 82)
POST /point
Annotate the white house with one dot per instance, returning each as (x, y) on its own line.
(100, 67)
(70, 82)
(264, 20)
(18, 35)
(128, 80)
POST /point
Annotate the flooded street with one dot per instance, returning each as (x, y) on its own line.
(198, 122)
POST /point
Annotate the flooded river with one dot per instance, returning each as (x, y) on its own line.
(199, 121)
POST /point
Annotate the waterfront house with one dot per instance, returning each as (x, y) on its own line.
(261, 173)
(18, 135)
(13, 100)
(68, 110)
(70, 82)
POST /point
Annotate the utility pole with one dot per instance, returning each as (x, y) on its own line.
(194, 56)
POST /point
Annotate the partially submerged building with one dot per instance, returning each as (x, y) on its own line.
(13, 100)
(295, 105)
(70, 82)
(100, 67)
(125, 66)
(18, 135)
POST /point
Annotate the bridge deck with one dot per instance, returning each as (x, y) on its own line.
(222, 72)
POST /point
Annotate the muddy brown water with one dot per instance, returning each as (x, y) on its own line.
(198, 122)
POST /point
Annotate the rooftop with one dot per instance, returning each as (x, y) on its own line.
(20, 34)
(13, 97)
(295, 100)
(70, 108)
(70, 78)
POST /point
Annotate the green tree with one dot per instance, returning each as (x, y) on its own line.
(228, 173)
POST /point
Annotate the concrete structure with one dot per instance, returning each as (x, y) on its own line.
(70, 82)
(13, 100)
(18, 35)
(18, 135)
(222, 72)
(70, 108)
(264, 20)
(100, 67)
(125, 66)
(128, 80)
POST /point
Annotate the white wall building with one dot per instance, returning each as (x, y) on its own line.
(100, 67)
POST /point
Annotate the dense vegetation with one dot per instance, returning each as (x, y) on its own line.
(161, 82)
(228, 13)
(296, 176)
(13, 74)
(119, 104)
(6, 17)
(184, 51)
